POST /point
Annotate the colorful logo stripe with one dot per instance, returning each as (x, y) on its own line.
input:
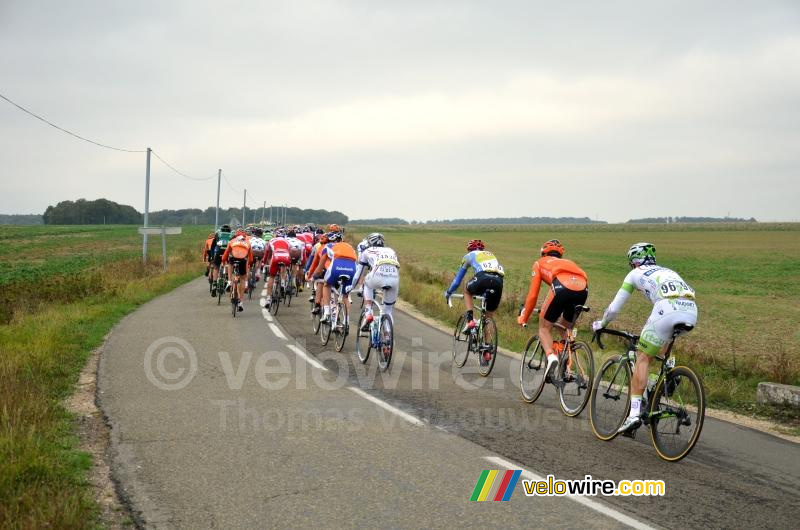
(487, 480)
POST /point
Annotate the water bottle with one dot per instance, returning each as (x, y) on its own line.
(670, 363)
(376, 335)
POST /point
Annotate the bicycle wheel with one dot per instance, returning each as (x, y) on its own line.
(234, 304)
(487, 346)
(315, 322)
(289, 292)
(676, 414)
(387, 343)
(220, 290)
(531, 370)
(461, 343)
(575, 377)
(342, 327)
(325, 330)
(611, 398)
(276, 297)
(363, 341)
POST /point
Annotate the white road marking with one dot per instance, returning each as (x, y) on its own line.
(594, 505)
(394, 410)
(306, 357)
(278, 333)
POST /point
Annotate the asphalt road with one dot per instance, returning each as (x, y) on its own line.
(271, 429)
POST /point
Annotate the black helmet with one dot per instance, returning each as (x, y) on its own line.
(225, 228)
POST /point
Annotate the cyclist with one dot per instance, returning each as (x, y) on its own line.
(311, 267)
(383, 272)
(488, 276)
(569, 287)
(296, 249)
(207, 254)
(259, 246)
(277, 253)
(220, 243)
(673, 303)
(239, 257)
(337, 259)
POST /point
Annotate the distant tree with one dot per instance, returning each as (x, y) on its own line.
(99, 211)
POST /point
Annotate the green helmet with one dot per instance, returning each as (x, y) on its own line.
(642, 254)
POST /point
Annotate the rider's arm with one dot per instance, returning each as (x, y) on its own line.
(225, 254)
(616, 305)
(360, 265)
(533, 293)
(459, 277)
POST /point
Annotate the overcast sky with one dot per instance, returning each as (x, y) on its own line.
(418, 109)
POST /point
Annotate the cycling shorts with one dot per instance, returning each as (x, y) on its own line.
(487, 281)
(380, 278)
(277, 259)
(238, 266)
(562, 301)
(340, 267)
(659, 327)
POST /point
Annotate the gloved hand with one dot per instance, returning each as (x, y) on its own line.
(446, 296)
(521, 320)
(597, 325)
(348, 289)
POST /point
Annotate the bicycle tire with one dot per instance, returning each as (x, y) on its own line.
(461, 343)
(325, 330)
(574, 392)
(234, 306)
(315, 322)
(363, 341)
(275, 297)
(674, 394)
(490, 324)
(611, 403)
(220, 290)
(532, 370)
(387, 343)
(341, 336)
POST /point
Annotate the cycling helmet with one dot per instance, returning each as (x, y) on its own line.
(376, 239)
(333, 237)
(225, 228)
(553, 248)
(212, 234)
(642, 254)
(258, 232)
(333, 228)
(475, 244)
(291, 233)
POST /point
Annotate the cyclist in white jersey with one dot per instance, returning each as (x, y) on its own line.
(673, 303)
(384, 273)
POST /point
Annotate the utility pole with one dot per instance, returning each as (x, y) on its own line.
(264, 207)
(146, 206)
(216, 213)
(244, 205)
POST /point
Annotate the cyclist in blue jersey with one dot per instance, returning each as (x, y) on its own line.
(488, 276)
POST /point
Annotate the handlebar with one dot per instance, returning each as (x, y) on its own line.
(624, 334)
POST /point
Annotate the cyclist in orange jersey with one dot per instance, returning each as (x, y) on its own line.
(311, 275)
(208, 254)
(568, 287)
(337, 260)
(239, 255)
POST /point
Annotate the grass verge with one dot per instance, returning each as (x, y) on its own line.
(44, 344)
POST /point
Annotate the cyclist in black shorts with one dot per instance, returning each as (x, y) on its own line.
(568, 287)
(488, 276)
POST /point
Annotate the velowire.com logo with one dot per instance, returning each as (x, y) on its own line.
(495, 485)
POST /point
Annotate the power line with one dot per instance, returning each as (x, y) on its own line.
(179, 172)
(23, 109)
(228, 182)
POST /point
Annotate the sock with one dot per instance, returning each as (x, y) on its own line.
(636, 406)
(469, 316)
(327, 310)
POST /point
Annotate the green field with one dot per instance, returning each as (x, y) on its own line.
(747, 279)
(63, 288)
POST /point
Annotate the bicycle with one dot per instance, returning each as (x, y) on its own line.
(380, 336)
(315, 317)
(251, 281)
(222, 280)
(673, 403)
(573, 374)
(337, 320)
(278, 289)
(474, 339)
(235, 290)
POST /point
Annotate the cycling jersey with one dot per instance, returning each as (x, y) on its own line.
(208, 249)
(555, 272)
(238, 249)
(672, 299)
(362, 246)
(221, 240)
(480, 261)
(258, 245)
(383, 258)
(339, 250)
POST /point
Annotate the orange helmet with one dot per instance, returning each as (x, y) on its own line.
(553, 247)
(475, 244)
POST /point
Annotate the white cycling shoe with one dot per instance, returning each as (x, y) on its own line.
(631, 422)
